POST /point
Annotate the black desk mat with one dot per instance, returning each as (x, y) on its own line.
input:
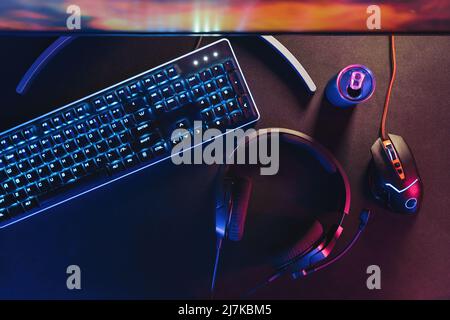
(156, 238)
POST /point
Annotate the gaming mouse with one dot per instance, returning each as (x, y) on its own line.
(394, 178)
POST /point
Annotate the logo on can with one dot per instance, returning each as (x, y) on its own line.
(352, 85)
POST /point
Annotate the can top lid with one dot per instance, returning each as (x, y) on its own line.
(356, 83)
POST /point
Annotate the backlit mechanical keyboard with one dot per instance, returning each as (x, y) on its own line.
(119, 130)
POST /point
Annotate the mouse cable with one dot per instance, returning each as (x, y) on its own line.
(383, 133)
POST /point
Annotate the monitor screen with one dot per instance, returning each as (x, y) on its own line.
(217, 16)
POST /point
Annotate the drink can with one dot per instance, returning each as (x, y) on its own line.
(352, 85)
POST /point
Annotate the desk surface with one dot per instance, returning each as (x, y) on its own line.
(156, 238)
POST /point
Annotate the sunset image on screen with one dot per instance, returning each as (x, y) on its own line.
(225, 15)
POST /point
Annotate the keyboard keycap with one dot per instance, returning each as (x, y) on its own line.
(23, 152)
(161, 77)
(221, 82)
(135, 104)
(90, 166)
(79, 156)
(82, 110)
(203, 103)
(113, 142)
(116, 167)
(245, 105)
(20, 195)
(105, 132)
(131, 161)
(32, 189)
(43, 185)
(183, 99)
(227, 94)
(67, 176)
(217, 70)
(69, 115)
(46, 126)
(210, 87)
(111, 98)
(143, 143)
(172, 73)
(12, 171)
(15, 210)
(236, 83)
(6, 143)
(3, 175)
(44, 171)
(36, 161)
(145, 155)
(236, 118)
(219, 111)
(142, 130)
(149, 82)
(55, 166)
(55, 181)
(143, 116)
(18, 138)
(32, 176)
(207, 115)
(31, 132)
(155, 97)
(70, 133)
(129, 121)
(47, 156)
(172, 103)
(11, 158)
(78, 171)
(159, 150)
(117, 126)
(123, 93)
(99, 103)
(205, 75)
(193, 81)
(90, 152)
(8, 186)
(30, 204)
(167, 92)
(178, 86)
(20, 181)
(198, 92)
(3, 214)
(159, 109)
(6, 200)
(229, 66)
(70, 146)
(101, 146)
(113, 155)
(58, 138)
(67, 161)
(105, 117)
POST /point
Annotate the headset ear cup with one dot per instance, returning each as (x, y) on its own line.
(313, 234)
(241, 191)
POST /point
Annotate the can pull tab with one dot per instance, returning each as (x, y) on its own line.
(356, 82)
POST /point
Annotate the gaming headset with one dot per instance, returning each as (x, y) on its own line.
(315, 245)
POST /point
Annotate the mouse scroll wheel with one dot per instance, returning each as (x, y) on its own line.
(391, 152)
